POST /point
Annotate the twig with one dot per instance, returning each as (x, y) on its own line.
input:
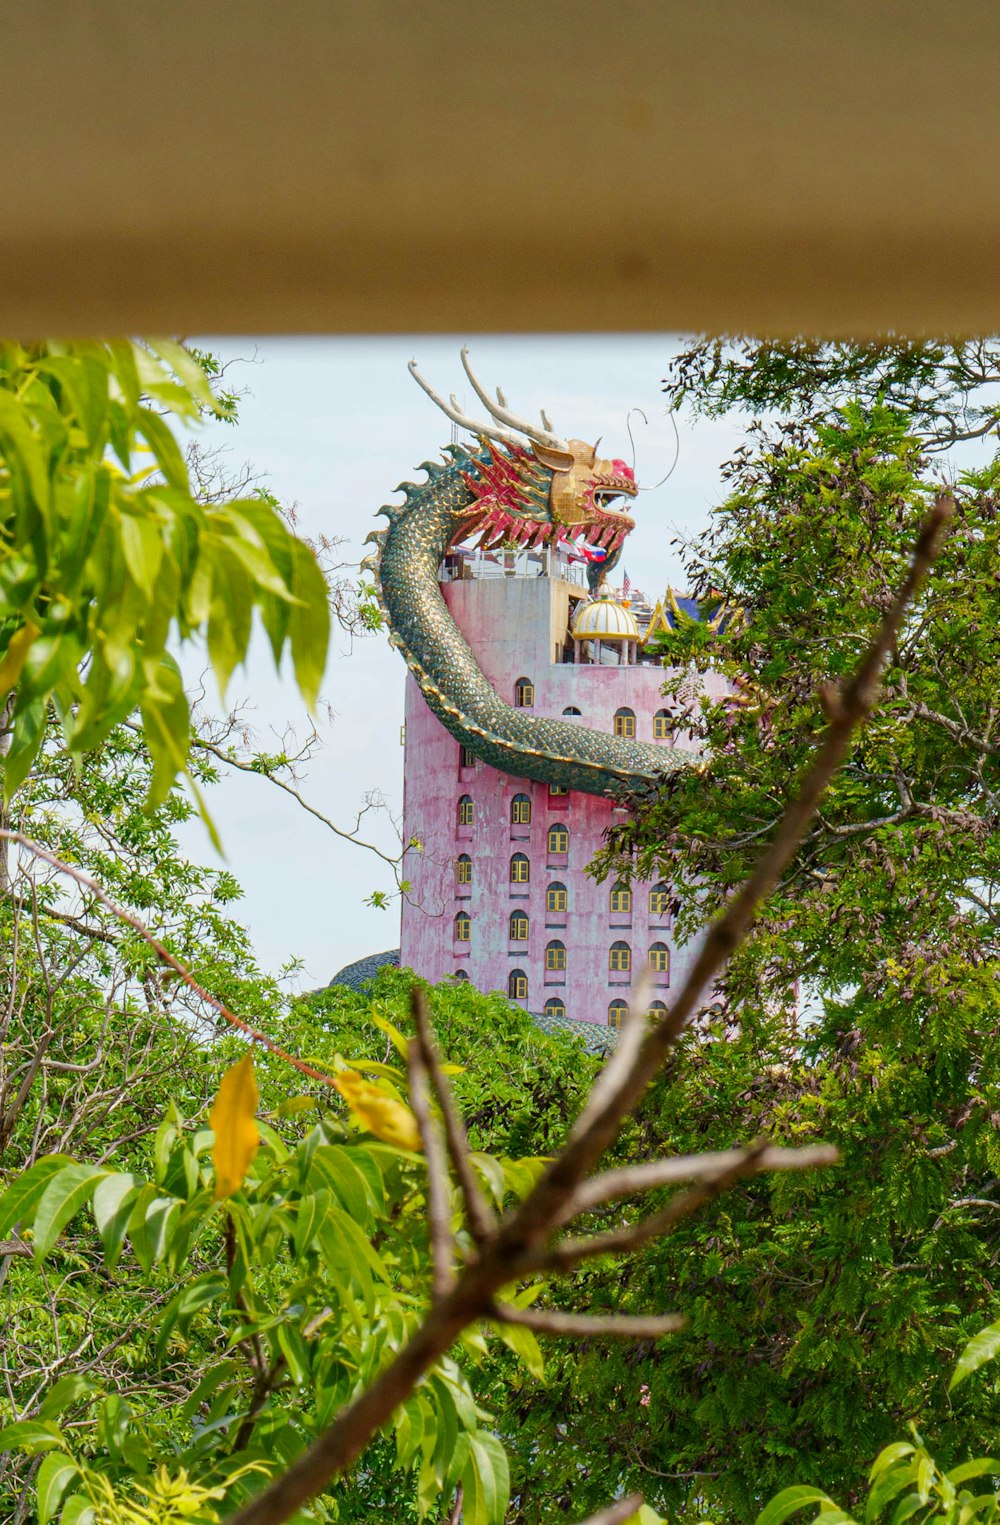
(632, 1179)
(438, 1206)
(589, 1326)
(163, 954)
(481, 1220)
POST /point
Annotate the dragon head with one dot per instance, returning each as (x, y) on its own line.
(531, 487)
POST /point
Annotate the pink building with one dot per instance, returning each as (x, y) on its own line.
(500, 894)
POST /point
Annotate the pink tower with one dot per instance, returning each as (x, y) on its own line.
(500, 894)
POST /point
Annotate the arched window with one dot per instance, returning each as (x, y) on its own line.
(620, 958)
(621, 900)
(463, 869)
(657, 1009)
(661, 725)
(517, 985)
(465, 810)
(518, 927)
(659, 958)
(520, 810)
(466, 757)
(557, 789)
(460, 975)
(524, 694)
(571, 709)
(463, 927)
(617, 1012)
(659, 901)
(555, 896)
(520, 868)
(558, 840)
(555, 955)
(624, 722)
(554, 1007)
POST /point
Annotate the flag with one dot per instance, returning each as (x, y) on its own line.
(626, 587)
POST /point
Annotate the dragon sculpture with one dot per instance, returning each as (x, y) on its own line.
(522, 485)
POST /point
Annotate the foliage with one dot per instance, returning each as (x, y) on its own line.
(942, 386)
(280, 1292)
(906, 1479)
(107, 557)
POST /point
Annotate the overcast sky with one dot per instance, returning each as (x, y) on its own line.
(333, 425)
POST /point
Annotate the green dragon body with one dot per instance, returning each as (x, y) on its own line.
(555, 492)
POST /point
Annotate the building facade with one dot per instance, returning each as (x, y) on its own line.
(500, 894)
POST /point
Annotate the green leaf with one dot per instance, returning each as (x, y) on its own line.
(77, 1511)
(973, 1469)
(67, 1391)
(54, 1477)
(22, 1197)
(789, 1501)
(525, 1346)
(486, 1480)
(308, 622)
(983, 1347)
(112, 1207)
(31, 1435)
(166, 451)
(62, 1199)
(889, 1457)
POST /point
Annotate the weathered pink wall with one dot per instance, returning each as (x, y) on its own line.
(514, 626)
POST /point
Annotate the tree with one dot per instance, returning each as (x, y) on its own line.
(864, 1003)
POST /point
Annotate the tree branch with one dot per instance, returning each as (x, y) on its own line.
(617, 1513)
(481, 1220)
(438, 1206)
(589, 1326)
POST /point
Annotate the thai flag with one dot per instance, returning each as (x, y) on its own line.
(595, 556)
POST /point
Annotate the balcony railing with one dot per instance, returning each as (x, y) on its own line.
(473, 565)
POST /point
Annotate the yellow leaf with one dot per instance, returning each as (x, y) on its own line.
(382, 1115)
(14, 657)
(233, 1119)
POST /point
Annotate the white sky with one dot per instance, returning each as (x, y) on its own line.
(333, 425)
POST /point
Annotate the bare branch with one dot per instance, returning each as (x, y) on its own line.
(588, 1326)
(615, 1184)
(481, 1220)
(163, 954)
(618, 1513)
(438, 1207)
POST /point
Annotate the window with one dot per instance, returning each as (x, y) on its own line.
(571, 709)
(620, 958)
(524, 694)
(554, 1007)
(519, 869)
(657, 1009)
(659, 958)
(518, 927)
(557, 789)
(661, 725)
(520, 810)
(465, 810)
(558, 841)
(617, 1012)
(463, 927)
(466, 757)
(621, 900)
(517, 985)
(659, 900)
(555, 896)
(463, 869)
(555, 955)
(624, 722)
(460, 975)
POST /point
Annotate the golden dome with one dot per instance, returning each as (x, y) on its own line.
(604, 620)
